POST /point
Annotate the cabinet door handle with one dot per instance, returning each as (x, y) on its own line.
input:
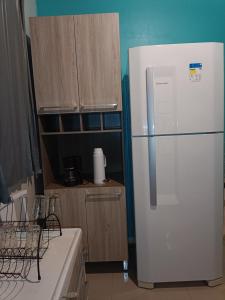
(105, 195)
(55, 109)
(111, 106)
(71, 295)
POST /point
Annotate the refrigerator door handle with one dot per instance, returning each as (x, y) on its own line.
(151, 139)
(150, 100)
(152, 171)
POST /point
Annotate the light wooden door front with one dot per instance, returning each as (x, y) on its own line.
(106, 222)
(72, 212)
(98, 63)
(54, 62)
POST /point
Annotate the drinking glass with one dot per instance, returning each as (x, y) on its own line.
(54, 205)
(32, 237)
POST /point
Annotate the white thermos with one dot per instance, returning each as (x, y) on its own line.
(99, 162)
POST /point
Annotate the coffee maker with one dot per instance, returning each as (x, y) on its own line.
(72, 170)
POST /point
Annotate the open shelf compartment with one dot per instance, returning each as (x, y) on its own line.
(68, 123)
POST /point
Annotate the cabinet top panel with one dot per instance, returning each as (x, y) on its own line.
(110, 183)
(65, 16)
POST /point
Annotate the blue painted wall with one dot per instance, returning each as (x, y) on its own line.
(145, 22)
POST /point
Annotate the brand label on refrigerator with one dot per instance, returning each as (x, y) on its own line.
(195, 71)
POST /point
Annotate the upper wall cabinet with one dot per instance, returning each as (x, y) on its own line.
(98, 63)
(54, 62)
(76, 61)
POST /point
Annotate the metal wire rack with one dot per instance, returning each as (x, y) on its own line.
(24, 239)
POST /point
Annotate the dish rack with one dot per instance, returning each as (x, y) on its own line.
(24, 236)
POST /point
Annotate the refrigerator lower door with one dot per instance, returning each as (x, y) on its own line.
(179, 235)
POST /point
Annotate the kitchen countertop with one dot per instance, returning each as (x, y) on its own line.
(55, 267)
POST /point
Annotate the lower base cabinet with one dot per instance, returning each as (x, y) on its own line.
(101, 214)
(106, 224)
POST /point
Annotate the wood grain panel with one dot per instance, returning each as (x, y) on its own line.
(73, 211)
(46, 166)
(54, 61)
(106, 222)
(98, 52)
(87, 184)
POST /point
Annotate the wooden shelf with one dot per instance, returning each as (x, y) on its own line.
(81, 132)
(78, 123)
(86, 184)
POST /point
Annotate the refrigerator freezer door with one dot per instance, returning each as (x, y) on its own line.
(180, 86)
(161, 99)
(180, 237)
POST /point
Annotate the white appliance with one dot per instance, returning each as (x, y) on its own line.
(99, 163)
(177, 120)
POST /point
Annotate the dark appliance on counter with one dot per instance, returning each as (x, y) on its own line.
(72, 170)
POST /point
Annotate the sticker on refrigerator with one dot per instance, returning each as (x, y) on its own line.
(195, 71)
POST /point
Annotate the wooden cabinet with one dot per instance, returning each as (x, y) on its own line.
(97, 47)
(106, 224)
(54, 62)
(76, 62)
(72, 210)
(101, 213)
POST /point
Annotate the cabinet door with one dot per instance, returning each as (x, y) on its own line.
(54, 62)
(72, 212)
(98, 61)
(106, 222)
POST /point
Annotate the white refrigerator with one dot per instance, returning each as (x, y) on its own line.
(177, 122)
